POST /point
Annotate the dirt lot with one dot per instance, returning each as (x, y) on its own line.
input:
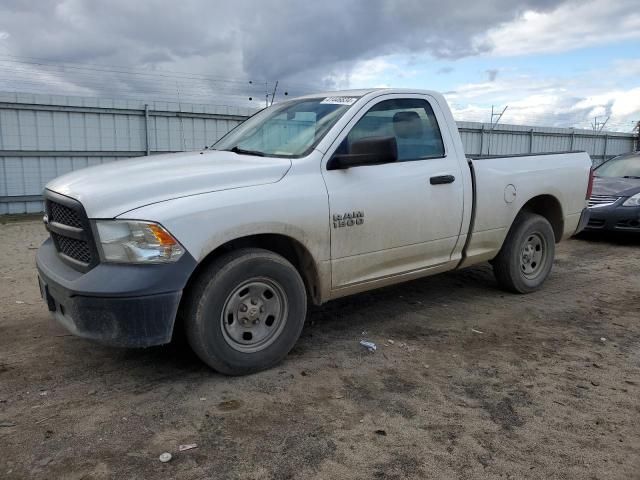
(477, 384)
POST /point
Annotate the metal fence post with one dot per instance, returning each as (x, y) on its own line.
(146, 129)
(573, 138)
(606, 140)
(481, 139)
(531, 141)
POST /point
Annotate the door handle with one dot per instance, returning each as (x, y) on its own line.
(442, 179)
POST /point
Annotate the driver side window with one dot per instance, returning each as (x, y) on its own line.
(410, 120)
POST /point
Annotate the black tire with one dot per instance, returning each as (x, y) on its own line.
(215, 337)
(519, 267)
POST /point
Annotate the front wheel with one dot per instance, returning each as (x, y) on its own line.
(526, 257)
(246, 311)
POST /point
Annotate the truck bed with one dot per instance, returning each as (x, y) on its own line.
(502, 184)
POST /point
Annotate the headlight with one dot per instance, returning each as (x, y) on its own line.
(632, 201)
(129, 241)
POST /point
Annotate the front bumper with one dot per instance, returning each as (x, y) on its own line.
(614, 218)
(584, 220)
(115, 304)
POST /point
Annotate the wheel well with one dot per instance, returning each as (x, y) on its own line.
(549, 207)
(289, 248)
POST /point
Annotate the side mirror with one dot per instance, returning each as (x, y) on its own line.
(366, 151)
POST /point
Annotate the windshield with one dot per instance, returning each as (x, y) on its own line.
(622, 166)
(289, 129)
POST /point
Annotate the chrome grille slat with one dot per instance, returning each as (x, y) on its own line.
(602, 200)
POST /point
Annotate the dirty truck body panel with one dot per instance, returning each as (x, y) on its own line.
(354, 229)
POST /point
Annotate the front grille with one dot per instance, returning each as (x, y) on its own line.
(602, 200)
(76, 249)
(64, 215)
(70, 231)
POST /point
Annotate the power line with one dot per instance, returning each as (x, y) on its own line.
(136, 71)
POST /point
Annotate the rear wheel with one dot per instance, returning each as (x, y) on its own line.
(526, 257)
(245, 313)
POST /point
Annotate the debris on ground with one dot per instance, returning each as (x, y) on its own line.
(228, 405)
(20, 302)
(368, 345)
(381, 433)
(602, 339)
(188, 446)
(7, 424)
(42, 420)
(165, 457)
(390, 342)
(476, 331)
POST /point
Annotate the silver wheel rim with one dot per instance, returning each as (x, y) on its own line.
(253, 315)
(533, 255)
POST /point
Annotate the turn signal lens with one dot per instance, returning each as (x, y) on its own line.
(163, 237)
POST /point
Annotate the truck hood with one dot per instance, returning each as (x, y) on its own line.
(111, 189)
(616, 186)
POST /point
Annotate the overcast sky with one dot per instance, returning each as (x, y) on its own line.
(553, 62)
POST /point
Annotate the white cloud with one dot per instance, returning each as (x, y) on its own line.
(377, 72)
(549, 102)
(4, 35)
(570, 26)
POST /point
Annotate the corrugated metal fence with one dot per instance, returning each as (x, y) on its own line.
(481, 139)
(44, 136)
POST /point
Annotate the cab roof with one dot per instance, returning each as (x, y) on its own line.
(363, 92)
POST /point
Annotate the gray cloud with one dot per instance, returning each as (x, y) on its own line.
(302, 44)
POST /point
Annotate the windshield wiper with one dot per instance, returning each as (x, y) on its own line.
(243, 151)
(630, 176)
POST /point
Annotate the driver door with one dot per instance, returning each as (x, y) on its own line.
(391, 219)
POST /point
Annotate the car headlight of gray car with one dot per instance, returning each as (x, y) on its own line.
(133, 241)
(632, 201)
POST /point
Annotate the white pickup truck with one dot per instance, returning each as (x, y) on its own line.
(308, 200)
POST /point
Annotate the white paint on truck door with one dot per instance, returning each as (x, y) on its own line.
(389, 219)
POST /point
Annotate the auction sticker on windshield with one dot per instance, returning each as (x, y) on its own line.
(340, 100)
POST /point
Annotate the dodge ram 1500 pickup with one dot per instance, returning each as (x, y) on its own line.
(310, 199)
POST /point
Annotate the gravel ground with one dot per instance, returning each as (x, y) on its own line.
(477, 383)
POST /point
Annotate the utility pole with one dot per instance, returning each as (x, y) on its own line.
(597, 127)
(494, 125)
(184, 145)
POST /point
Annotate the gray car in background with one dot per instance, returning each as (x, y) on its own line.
(614, 204)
